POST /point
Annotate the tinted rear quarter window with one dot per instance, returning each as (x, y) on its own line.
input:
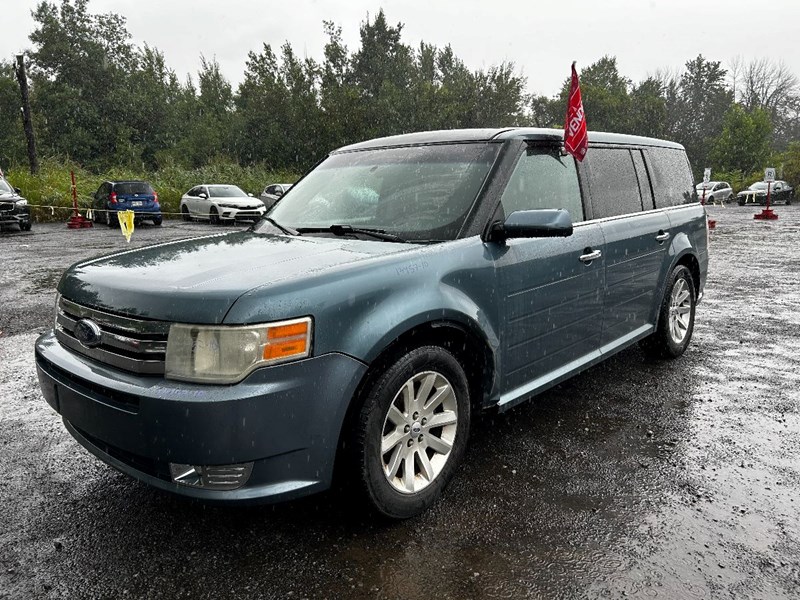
(613, 182)
(642, 175)
(673, 183)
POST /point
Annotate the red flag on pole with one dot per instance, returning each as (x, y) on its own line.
(576, 140)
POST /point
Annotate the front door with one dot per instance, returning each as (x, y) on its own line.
(551, 288)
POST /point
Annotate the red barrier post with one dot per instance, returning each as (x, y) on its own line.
(767, 214)
(76, 221)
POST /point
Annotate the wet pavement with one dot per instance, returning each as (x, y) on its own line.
(635, 479)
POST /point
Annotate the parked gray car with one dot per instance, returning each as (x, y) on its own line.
(405, 284)
(274, 192)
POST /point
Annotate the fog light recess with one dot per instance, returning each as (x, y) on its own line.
(211, 477)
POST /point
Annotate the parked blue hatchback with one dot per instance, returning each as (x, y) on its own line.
(114, 196)
(402, 285)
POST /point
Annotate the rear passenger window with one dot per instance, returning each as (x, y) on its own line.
(544, 179)
(672, 177)
(612, 178)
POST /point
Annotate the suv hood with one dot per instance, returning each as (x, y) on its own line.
(198, 280)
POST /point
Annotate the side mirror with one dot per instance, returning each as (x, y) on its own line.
(17, 191)
(251, 195)
(279, 193)
(543, 222)
(203, 196)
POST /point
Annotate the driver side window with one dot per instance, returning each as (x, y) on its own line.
(544, 179)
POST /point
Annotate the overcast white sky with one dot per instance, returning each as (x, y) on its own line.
(540, 37)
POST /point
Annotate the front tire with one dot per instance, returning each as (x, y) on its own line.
(213, 216)
(412, 431)
(675, 318)
(185, 214)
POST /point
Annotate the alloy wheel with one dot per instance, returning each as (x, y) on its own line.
(680, 308)
(418, 432)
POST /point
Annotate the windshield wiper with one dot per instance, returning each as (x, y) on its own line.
(342, 230)
(283, 228)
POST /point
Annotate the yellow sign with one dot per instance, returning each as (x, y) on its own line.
(126, 223)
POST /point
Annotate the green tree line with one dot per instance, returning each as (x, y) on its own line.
(102, 102)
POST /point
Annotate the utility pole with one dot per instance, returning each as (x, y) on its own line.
(26, 113)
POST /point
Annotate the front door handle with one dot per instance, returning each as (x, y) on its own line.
(590, 256)
(662, 236)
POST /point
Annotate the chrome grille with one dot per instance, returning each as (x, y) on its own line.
(134, 345)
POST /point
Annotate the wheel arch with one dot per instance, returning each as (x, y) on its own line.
(466, 343)
(685, 259)
(470, 348)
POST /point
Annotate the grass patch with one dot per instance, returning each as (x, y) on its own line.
(52, 185)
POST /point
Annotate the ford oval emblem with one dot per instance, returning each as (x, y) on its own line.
(88, 333)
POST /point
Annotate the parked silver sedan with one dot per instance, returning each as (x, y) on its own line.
(716, 191)
(218, 203)
(273, 192)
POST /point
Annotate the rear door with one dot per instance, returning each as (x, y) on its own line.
(636, 237)
(551, 288)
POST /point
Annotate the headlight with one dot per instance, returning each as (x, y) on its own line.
(219, 354)
(22, 202)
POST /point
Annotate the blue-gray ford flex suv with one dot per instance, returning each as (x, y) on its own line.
(403, 284)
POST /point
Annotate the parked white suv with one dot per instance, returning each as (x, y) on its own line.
(219, 203)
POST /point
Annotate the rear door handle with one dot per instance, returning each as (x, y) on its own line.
(590, 256)
(662, 237)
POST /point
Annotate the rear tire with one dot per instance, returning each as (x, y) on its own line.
(411, 432)
(675, 318)
(111, 219)
(158, 220)
(25, 226)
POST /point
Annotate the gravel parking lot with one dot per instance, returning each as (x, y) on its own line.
(635, 479)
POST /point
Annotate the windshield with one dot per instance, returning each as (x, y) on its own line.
(759, 185)
(5, 188)
(417, 193)
(225, 191)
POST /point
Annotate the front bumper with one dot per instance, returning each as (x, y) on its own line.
(752, 199)
(241, 214)
(14, 215)
(286, 419)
